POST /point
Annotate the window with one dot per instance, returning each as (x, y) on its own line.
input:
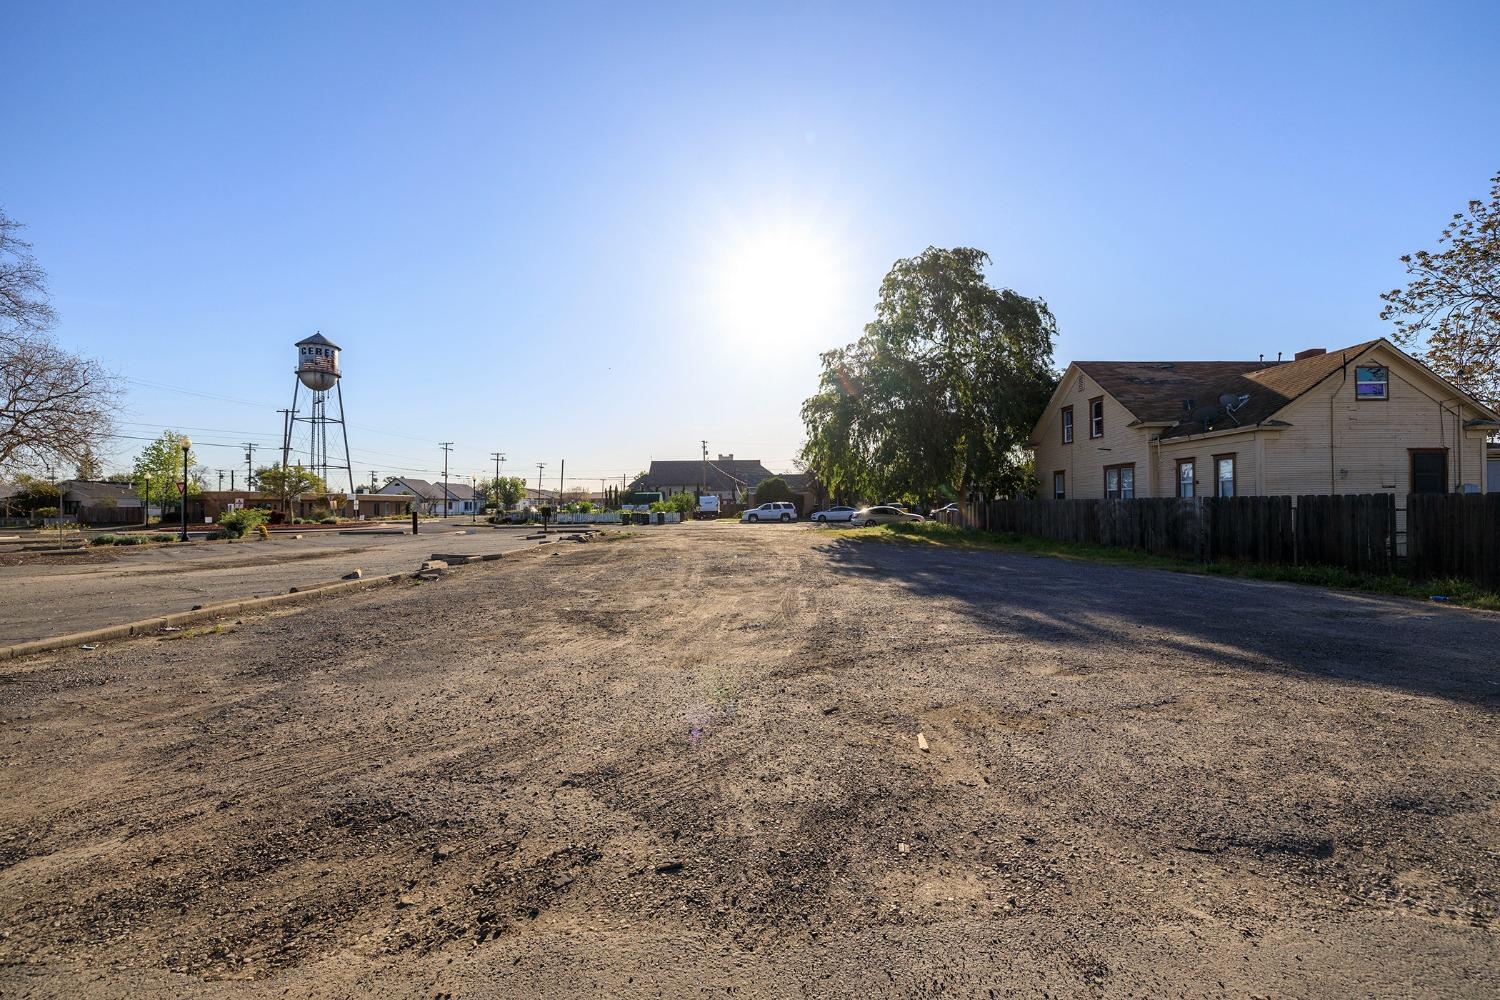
(1119, 482)
(1224, 480)
(1371, 382)
(1429, 470)
(1067, 425)
(1185, 476)
(1059, 486)
(1096, 417)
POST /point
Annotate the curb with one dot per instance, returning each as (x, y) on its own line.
(148, 626)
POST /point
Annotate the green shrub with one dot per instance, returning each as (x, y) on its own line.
(162, 537)
(330, 520)
(234, 523)
(106, 539)
(131, 540)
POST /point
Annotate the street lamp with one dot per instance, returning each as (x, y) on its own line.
(187, 445)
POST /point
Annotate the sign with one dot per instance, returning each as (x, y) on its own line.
(181, 486)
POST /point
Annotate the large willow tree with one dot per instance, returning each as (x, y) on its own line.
(938, 396)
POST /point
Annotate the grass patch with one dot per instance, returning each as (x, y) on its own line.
(617, 536)
(1455, 591)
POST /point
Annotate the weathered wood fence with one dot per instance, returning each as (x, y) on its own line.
(1446, 535)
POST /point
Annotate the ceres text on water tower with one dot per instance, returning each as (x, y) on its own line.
(318, 362)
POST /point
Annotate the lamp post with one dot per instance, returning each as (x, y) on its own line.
(187, 445)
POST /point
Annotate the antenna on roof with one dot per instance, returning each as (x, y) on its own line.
(1231, 402)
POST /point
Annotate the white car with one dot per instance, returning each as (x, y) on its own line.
(832, 514)
(778, 511)
(883, 515)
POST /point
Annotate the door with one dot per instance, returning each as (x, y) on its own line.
(1429, 471)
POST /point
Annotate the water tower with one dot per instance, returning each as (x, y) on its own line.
(318, 372)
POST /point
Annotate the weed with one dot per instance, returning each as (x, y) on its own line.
(1456, 591)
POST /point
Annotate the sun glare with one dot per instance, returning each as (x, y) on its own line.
(780, 286)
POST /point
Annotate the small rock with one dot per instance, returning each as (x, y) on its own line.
(404, 900)
(442, 852)
(356, 575)
(922, 743)
(669, 868)
(904, 847)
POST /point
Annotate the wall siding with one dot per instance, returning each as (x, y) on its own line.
(1084, 460)
(1370, 438)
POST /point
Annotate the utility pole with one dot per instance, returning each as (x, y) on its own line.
(560, 479)
(703, 484)
(221, 481)
(231, 479)
(447, 446)
(498, 457)
(250, 447)
(372, 480)
(286, 436)
(539, 467)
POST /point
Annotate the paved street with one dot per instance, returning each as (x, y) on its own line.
(47, 600)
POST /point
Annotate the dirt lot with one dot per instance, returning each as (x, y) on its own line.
(686, 764)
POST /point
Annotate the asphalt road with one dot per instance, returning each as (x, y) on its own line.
(687, 763)
(37, 601)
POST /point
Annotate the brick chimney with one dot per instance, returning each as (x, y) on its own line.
(726, 458)
(1311, 352)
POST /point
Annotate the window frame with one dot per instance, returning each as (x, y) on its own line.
(1193, 462)
(1060, 475)
(1384, 396)
(1100, 401)
(1234, 474)
(1120, 469)
(1411, 467)
(1065, 419)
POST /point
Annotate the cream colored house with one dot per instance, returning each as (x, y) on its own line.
(1365, 419)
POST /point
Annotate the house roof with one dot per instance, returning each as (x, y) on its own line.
(724, 474)
(92, 491)
(1158, 391)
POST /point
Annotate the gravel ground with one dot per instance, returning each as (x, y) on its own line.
(688, 763)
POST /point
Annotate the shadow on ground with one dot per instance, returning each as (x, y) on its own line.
(1241, 624)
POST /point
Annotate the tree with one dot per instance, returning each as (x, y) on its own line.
(34, 494)
(161, 461)
(289, 484)
(89, 468)
(507, 490)
(1449, 311)
(939, 395)
(53, 403)
(771, 489)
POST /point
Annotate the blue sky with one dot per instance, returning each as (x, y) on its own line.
(560, 230)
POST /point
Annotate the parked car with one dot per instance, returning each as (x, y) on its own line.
(776, 511)
(884, 514)
(951, 508)
(832, 514)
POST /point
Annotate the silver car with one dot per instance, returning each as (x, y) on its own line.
(832, 514)
(883, 515)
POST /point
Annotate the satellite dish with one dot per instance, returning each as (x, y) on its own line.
(1230, 402)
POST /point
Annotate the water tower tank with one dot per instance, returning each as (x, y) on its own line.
(317, 362)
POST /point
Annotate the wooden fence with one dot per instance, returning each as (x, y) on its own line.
(1446, 534)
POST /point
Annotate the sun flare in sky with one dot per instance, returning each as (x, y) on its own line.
(781, 286)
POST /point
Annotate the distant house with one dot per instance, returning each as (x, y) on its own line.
(731, 478)
(808, 493)
(434, 498)
(1365, 419)
(95, 502)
